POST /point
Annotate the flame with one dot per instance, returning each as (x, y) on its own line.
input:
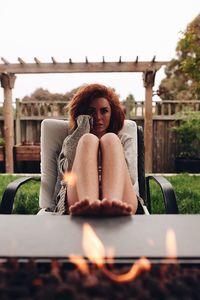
(80, 262)
(97, 254)
(92, 246)
(171, 245)
(142, 264)
(70, 178)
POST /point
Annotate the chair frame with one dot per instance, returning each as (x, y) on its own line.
(169, 195)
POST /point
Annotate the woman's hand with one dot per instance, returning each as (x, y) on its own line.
(85, 120)
(91, 123)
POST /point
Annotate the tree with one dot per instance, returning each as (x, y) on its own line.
(128, 105)
(182, 80)
(41, 94)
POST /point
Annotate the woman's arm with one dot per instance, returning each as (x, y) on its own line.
(67, 154)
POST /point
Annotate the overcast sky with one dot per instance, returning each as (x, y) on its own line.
(94, 28)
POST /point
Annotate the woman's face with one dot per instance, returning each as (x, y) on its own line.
(100, 110)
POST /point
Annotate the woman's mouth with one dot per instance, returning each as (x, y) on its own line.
(98, 125)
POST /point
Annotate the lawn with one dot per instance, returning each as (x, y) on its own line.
(187, 189)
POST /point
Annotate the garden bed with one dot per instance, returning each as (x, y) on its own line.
(27, 152)
(27, 158)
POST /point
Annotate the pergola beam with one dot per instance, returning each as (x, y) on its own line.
(53, 60)
(21, 61)
(82, 67)
(5, 61)
(37, 61)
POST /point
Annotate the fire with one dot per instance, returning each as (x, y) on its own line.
(70, 178)
(80, 262)
(171, 245)
(92, 246)
(98, 255)
(142, 264)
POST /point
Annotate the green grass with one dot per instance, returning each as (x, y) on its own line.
(27, 197)
(187, 189)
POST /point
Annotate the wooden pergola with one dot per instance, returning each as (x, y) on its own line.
(9, 70)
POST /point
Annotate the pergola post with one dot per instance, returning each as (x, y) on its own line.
(7, 83)
(149, 79)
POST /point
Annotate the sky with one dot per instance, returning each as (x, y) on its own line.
(94, 28)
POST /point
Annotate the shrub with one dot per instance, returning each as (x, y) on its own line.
(188, 134)
(2, 141)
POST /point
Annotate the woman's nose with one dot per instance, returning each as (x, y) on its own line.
(98, 115)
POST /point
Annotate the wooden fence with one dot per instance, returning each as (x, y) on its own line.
(29, 115)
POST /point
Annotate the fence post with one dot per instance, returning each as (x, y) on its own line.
(18, 127)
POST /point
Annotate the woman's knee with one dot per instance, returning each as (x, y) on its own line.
(109, 139)
(88, 140)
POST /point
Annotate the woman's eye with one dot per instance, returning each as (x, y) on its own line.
(90, 111)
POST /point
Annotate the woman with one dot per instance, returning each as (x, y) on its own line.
(95, 155)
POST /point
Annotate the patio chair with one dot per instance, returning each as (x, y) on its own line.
(53, 132)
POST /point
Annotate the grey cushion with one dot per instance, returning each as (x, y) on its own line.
(53, 133)
(57, 185)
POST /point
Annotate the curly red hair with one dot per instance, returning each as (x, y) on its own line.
(81, 100)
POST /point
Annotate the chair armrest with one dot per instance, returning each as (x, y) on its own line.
(8, 198)
(169, 195)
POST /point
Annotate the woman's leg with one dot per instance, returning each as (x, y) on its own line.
(83, 195)
(117, 188)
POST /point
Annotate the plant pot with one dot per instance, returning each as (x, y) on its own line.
(189, 165)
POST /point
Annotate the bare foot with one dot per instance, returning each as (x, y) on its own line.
(84, 207)
(115, 208)
(79, 207)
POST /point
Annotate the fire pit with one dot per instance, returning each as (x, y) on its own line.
(61, 280)
(43, 257)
